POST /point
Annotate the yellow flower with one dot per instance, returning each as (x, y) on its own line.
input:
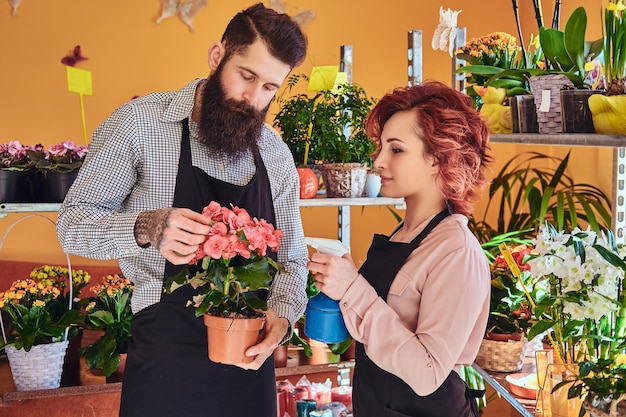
(39, 303)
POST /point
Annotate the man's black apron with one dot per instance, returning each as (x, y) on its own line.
(378, 393)
(168, 372)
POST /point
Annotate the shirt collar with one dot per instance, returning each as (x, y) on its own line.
(182, 103)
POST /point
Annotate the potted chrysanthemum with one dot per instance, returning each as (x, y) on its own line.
(234, 264)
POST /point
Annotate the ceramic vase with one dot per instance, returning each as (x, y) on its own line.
(344, 180)
(372, 185)
(229, 338)
(608, 113)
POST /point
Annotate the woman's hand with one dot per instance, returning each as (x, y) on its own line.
(333, 275)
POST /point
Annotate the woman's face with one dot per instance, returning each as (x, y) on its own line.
(405, 171)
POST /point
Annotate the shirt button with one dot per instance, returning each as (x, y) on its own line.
(345, 304)
(429, 365)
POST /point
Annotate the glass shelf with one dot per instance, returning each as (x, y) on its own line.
(563, 139)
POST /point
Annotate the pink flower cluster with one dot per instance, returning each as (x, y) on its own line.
(67, 152)
(234, 232)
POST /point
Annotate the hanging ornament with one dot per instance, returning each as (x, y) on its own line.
(14, 5)
(445, 33)
(73, 57)
(302, 18)
(169, 8)
(185, 9)
(188, 9)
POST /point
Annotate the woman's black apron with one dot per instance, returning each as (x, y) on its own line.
(168, 372)
(378, 393)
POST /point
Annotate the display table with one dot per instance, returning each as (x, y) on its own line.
(88, 395)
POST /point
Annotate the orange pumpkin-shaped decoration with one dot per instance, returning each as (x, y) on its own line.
(308, 182)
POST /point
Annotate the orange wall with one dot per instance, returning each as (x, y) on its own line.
(129, 54)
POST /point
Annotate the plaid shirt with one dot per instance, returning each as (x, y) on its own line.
(132, 166)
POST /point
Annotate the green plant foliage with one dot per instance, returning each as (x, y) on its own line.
(528, 191)
(331, 123)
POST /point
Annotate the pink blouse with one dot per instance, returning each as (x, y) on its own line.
(436, 311)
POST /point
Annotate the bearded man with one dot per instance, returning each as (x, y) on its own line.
(151, 168)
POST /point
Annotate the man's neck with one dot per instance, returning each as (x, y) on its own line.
(197, 103)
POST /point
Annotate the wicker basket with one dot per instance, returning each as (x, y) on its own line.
(547, 92)
(40, 368)
(501, 356)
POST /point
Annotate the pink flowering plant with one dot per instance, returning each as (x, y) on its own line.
(234, 263)
(15, 157)
(62, 157)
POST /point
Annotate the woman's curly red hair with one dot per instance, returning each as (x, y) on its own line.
(453, 134)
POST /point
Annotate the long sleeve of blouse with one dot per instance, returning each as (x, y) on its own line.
(436, 310)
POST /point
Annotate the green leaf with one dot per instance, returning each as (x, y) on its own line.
(553, 45)
(574, 38)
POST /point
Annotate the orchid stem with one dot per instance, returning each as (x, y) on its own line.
(519, 32)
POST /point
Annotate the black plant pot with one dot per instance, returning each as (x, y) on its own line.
(57, 185)
(14, 187)
(575, 111)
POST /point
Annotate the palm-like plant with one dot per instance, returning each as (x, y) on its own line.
(526, 192)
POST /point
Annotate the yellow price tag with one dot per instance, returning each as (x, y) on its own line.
(79, 81)
(323, 78)
(506, 253)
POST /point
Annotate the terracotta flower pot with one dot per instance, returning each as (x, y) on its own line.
(229, 338)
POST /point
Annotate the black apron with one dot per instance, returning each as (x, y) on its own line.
(378, 393)
(168, 372)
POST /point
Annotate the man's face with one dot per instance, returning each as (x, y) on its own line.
(236, 98)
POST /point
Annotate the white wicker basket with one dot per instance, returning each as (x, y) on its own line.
(499, 356)
(40, 368)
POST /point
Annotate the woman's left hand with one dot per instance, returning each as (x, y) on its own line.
(333, 275)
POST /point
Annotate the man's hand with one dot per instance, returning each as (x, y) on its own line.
(176, 232)
(274, 331)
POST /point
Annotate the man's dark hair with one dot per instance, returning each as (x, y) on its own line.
(282, 36)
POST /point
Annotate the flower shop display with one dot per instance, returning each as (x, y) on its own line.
(583, 311)
(16, 169)
(37, 342)
(234, 264)
(609, 111)
(109, 309)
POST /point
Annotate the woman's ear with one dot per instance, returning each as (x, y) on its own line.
(216, 54)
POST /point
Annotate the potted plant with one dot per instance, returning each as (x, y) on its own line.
(109, 310)
(235, 263)
(60, 164)
(529, 190)
(15, 171)
(609, 111)
(510, 315)
(583, 310)
(37, 341)
(329, 128)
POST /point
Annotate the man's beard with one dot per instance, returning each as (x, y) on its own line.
(227, 125)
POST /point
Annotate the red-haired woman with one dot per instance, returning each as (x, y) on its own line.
(418, 306)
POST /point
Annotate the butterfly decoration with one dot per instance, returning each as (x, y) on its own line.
(73, 57)
(302, 18)
(14, 5)
(445, 33)
(185, 9)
